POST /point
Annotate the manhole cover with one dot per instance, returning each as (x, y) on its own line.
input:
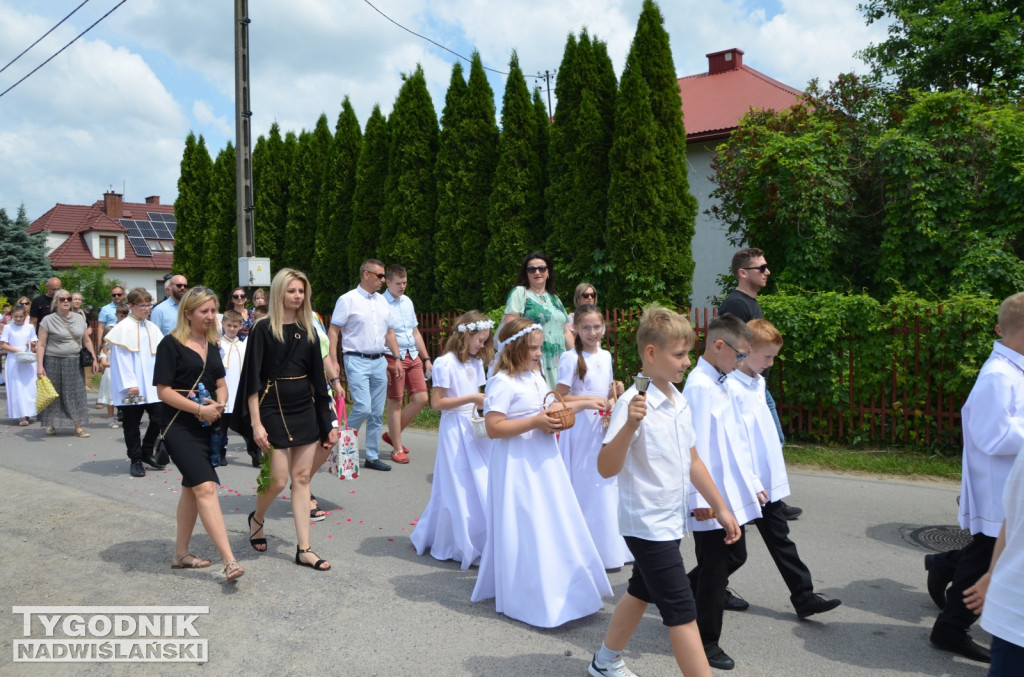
(940, 538)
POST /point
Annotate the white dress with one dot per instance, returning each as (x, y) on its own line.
(453, 524)
(20, 376)
(598, 496)
(106, 396)
(539, 563)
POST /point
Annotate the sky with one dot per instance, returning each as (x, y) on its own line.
(113, 110)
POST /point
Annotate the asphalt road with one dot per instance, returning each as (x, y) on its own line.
(76, 529)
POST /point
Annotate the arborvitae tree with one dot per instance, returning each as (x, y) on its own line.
(636, 237)
(651, 55)
(516, 205)
(542, 147)
(23, 262)
(220, 254)
(410, 204)
(368, 199)
(578, 192)
(605, 87)
(465, 162)
(336, 211)
(271, 160)
(190, 209)
(308, 170)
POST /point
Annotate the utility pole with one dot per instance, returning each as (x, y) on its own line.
(547, 77)
(251, 271)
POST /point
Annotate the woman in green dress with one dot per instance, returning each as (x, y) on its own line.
(534, 298)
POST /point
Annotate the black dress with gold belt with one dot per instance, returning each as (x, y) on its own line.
(288, 380)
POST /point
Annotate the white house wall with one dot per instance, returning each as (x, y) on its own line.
(711, 249)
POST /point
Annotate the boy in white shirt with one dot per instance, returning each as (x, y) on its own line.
(757, 429)
(232, 354)
(728, 459)
(993, 425)
(649, 446)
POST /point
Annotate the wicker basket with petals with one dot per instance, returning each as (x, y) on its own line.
(566, 415)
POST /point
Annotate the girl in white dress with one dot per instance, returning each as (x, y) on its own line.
(106, 395)
(19, 336)
(452, 525)
(585, 373)
(539, 563)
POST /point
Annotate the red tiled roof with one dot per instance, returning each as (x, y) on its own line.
(74, 250)
(76, 220)
(714, 104)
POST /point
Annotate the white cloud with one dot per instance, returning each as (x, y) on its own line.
(118, 105)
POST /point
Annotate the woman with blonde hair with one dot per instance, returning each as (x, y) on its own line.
(185, 359)
(282, 397)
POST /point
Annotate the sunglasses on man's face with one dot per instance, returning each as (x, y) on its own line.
(536, 269)
(379, 276)
(763, 268)
(180, 285)
(116, 295)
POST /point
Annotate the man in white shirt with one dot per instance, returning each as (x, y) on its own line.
(165, 314)
(415, 363)
(993, 425)
(362, 320)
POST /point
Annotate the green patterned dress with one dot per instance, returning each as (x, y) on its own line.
(547, 311)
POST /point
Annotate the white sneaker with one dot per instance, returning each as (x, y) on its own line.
(616, 669)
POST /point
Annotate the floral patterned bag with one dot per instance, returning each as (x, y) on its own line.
(343, 462)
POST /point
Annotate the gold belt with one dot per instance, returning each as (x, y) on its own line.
(277, 394)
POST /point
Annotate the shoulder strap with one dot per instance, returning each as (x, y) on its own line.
(194, 385)
(67, 328)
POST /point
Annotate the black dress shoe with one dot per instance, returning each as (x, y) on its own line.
(152, 463)
(256, 459)
(718, 658)
(959, 642)
(939, 578)
(376, 464)
(734, 602)
(137, 470)
(791, 512)
(813, 603)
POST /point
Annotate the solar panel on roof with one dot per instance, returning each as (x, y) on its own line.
(140, 246)
(163, 232)
(147, 230)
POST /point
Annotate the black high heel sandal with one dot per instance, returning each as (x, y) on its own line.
(317, 566)
(254, 542)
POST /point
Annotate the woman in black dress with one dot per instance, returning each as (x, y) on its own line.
(186, 357)
(283, 393)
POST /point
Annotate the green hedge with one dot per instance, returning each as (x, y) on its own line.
(856, 371)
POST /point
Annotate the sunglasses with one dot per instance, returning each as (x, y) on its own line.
(116, 295)
(588, 295)
(739, 356)
(63, 298)
(379, 276)
(238, 296)
(180, 285)
(536, 269)
(761, 268)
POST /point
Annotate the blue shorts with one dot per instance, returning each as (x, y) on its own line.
(659, 577)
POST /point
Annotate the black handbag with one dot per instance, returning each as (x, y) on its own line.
(84, 358)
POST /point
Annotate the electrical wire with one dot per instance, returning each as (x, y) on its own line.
(43, 36)
(54, 55)
(434, 42)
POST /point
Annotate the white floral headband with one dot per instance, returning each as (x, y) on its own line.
(518, 335)
(479, 325)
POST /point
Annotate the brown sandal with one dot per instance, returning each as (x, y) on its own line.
(232, 570)
(194, 563)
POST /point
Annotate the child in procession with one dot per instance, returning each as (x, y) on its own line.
(453, 524)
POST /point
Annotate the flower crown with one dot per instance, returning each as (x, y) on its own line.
(519, 335)
(479, 325)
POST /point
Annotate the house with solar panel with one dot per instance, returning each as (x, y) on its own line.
(135, 239)
(713, 105)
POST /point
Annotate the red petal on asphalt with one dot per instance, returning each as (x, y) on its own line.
(391, 539)
(352, 492)
(348, 520)
(331, 536)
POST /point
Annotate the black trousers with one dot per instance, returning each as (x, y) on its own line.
(774, 529)
(709, 579)
(137, 446)
(971, 561)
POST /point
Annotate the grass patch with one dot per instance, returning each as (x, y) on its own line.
(875, 462)
(427, 419)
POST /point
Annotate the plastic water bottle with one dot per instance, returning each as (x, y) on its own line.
(202, 394)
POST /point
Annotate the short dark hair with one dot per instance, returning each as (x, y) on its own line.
(395, 271)
(524, 280)
(728, 326)
(742, 259)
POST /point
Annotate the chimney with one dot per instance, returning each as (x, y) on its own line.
(153, 200)
(725, 61)
(112, 205)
